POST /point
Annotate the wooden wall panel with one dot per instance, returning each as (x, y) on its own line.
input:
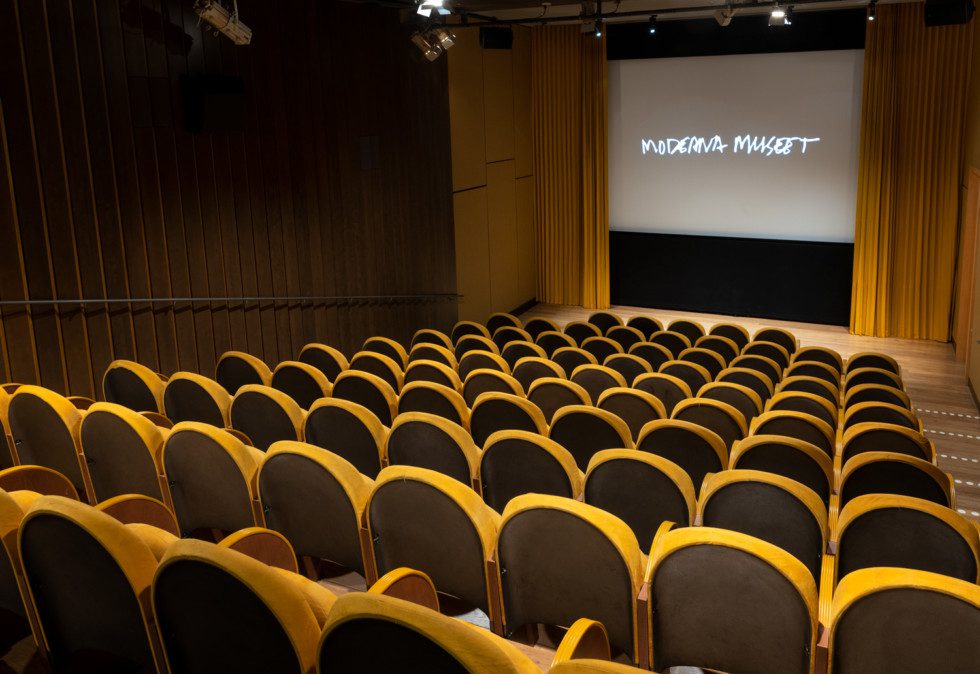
(339, 184)
(468, 124)
(502, 227)
(527, 276)
(522, 102)
(472, 254)
(498, 88)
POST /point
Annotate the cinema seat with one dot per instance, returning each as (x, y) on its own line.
(669, 389)
(211, 475)
(770, 350)
(873, 359)
(872, 437)
(625, 336)
(442, 401)
(726, 601)
(387, 347)
(655, 355)
(636, 408)
(581, 331)
(904, 532)
(601, 347)
(552, 393)
(326, 359)
(596, 379)
(266, 415)
(154, 517)
(867, 393)
(501, 319)
(506, 334)
(813, 385)
(571, 357)
(432, 352)
(133, 385)
(784, 338)
(755, 380)
(645, 324)
(371, 632)
(584, 430)
(236, 369)
(529, 370)
(349, 430)
(16, 610)
(191, 397)
(463, 328)
(605, 320)
(819, 354)
(415, 516)
(379, 365)
(761, 364)
(536, 326)
(487, 380)
(880, 413)
(123, 451)
(546, 543)
(89, 578)
(769, 507)
(39, 479)
(515, 351)
(742, 398)
(481, 360)
(807, 403)
(219, 610)
(896, 474)
(552, 340)
(369, 391)
(816, 370)
(627, 365)
(690, 329)
(791, 458)
(468, 343)
(494, 412)
(694, 448)
(796, 425)
(303, 383)
(315, 499)
(642, 489)
(8, 455)
(519, 462)
(45, 429)
(725, 420)
(732, 331)
(590, 665)
(692, 374)
(902, 621)
(674, 342)
(432, 337)
(872, 375)
(433, 372)
(723, 346)
(430, 441)
(706, 358)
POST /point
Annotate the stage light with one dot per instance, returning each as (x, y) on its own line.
(430, 50)
(653, 25)
(441, 7)
(224, 21)
(789, 16)
(598, 28)
(872, 6)
(778, 16)
(445, 38)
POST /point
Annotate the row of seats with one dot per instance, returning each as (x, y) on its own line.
(131, 597)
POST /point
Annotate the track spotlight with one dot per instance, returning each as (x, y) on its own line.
(445, 38)
(778, 16)
(429, 7)
(724, 16)
(872, 6)
(224, 21)
(652, 26)
(789, 16)
(598, 28)
(431, 50)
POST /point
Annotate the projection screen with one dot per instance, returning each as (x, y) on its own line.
(755, 145)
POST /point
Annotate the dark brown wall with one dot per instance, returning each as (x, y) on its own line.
(340, 185)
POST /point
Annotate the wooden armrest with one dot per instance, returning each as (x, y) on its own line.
(584, 639)
(44, 481)
(822, 657)
(828, 569)
(159, 419)
(410, 585)
(247, 441)
(267, 546)
(81, 402)
(140, 509)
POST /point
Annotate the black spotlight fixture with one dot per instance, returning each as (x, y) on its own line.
(872, 9)
(789, 16)
(652, 25)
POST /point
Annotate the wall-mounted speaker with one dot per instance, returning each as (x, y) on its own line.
(948, 12)
(494, 37)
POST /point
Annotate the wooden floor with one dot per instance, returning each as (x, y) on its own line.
(934, 379)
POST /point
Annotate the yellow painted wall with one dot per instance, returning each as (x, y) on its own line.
(493, 185)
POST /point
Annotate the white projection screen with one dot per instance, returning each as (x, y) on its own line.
(725, 145)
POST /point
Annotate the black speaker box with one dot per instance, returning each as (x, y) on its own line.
(948, 12)
(493, 37)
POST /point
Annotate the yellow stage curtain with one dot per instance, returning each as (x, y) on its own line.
(570, 132)
(915, 96)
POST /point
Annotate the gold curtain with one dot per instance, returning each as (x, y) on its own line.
(570, 131)
(915, 96)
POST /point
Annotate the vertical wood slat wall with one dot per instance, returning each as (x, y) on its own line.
(338, 185)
